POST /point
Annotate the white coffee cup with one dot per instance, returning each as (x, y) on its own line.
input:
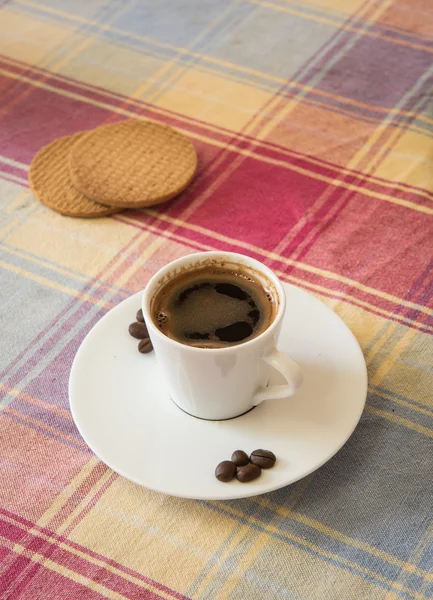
(222, 383)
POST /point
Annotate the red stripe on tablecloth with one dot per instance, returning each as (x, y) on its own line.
(14, 531)
(378, 244)
(304, 277)
(77, 496)
(29, 570)
(42, 116)
(12, 179)
(40, 578)
(12, 574)
(261, 147)
(20, 172)
(258, 204)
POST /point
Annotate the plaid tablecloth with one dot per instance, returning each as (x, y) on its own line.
(315, 136)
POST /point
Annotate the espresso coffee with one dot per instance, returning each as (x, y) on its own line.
(214, 307)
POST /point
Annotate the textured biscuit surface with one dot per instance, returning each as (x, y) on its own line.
(50, 181)
(132, 164)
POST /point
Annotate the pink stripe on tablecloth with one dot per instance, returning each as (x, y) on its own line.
(140, 108)
(304, 277)
(53, 585)
(13, 572)
(11, 527)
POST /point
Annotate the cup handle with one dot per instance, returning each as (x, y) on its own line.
(288, 369)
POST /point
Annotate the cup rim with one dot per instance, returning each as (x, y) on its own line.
(254, 263)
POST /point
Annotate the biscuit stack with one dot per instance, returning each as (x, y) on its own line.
(130, 164)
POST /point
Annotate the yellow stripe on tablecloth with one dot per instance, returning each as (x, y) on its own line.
(342, 26)
(72, 575)
(213, 571)
(52, 284)
(47, 39)
(337, 295)
(76, 515)
(39, 40)
(344, 6)
(207, 58)
(15, 203)
(423, 545)
(378, 345)
(214, 91)
(57, 268)
(403, 342)
(394, 398)
(393, 135)
(204, 32)
(88, 557)
(306, 15)
(16, 393)
(49, 236)
(66, 493)
(154, 525)
(271, 530)
(404, 166)
(411, 378)
(122, 7)
(227, 587)
(245, 563)
(21, 214)
(341, 537)
(155, 245)
(215, 101)
(393, 418)
(392, 357)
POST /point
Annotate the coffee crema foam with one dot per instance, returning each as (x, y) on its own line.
(214, 306)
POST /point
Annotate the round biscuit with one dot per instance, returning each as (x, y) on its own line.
(51, 184)
(132, 164)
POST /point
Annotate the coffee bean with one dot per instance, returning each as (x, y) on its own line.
(225, 471)
(265, 459)
(145, 346)
(138, 330)
(139, 316)
(248, 473)
(240, 458)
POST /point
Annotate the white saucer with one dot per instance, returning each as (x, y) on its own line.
(123, 412)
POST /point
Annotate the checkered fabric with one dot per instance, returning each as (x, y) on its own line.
(314, 127)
